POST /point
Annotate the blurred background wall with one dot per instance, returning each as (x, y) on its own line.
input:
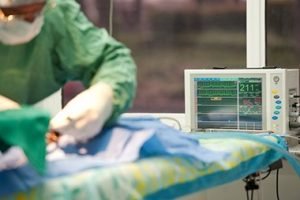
(167, 36)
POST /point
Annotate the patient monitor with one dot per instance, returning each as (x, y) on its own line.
(252, 100)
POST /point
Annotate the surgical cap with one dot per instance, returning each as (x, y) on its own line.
(8, 3)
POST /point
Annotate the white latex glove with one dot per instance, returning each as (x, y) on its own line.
(84, 116)
(6, 103)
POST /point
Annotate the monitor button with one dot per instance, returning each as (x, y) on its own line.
(276, 97)
(274, 117)
(276, 79)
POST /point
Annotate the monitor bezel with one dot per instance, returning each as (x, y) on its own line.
(190, 95)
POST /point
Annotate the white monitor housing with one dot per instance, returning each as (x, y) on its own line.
(252, 100)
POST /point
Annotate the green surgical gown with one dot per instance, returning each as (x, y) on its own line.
(69, 47)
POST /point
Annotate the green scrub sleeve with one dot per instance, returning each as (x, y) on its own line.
(91, 55)
(26, 128)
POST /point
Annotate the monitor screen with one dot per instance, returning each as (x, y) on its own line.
(228, 103)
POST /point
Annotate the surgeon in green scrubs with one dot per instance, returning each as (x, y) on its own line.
(46, 43)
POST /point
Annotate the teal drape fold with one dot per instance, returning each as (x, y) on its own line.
(25, 128)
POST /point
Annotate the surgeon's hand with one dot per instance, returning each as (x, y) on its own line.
(6, 103)
(84, 116)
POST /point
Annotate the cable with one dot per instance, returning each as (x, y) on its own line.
(277, 184)
(252, 191)
(266, 176)
(294, 124)
(175, 120)
(259, 194)
(251, 185)
(247, 195)
(295, 96)
(111, 9)
(295, 105)
(292, 137)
